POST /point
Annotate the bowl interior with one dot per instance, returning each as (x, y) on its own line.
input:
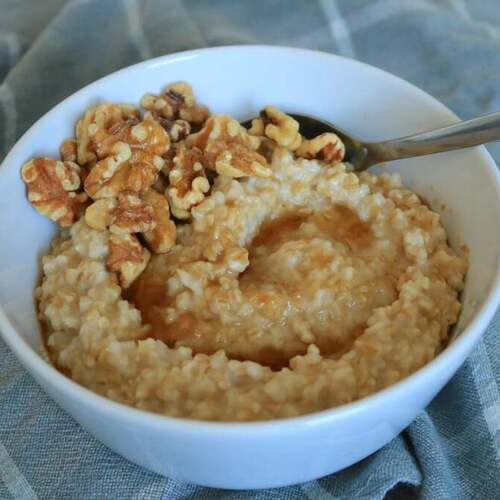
(462, 186)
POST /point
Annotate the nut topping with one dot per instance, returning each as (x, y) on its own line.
(327, 147)
(53, 189)
(137, 171)
(132, 215)
(161, 238)
(94, 127)
(188, 182)
(121, 172)
(126, 257)
(177, 101)
(228, 149)
(278, 126)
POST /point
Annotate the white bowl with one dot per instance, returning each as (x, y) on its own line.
(240, 80)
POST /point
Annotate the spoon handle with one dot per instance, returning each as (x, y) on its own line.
(465, 134)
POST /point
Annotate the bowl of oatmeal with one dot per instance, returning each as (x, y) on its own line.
(234, 306)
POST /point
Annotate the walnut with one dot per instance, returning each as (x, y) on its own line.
(132, 215)
(121, 172)
(146, 136)
(162, 237)
(132, 158)
(158, 106)
(126, 257)
(267, 148)
(233, 159)
(123, 215)
(161, 183)
(53, 189)
(178, 130)
(94, 127)
(68, 150)
(228, 149)
(327, 147)
(96, 183)
(222, 128)
(188, 182)
(168, 159)
(176, 101)
(196, 114)
(278, 126)
(99, 215)
(258, 127)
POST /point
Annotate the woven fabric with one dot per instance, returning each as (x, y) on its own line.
(450, 48)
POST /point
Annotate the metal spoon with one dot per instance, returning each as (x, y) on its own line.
(363, 155)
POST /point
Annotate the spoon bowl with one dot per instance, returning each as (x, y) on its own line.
(362, 155)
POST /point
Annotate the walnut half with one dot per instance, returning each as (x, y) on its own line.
(53, 189)
(228, 149)
(94, 126)
(122, 172)
(130, 213)
(123, 215)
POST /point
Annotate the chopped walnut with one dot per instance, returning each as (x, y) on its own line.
(132, 215)
(52, 189)
(121, 172)
(158, 105)
(177, 101)
(267, 148)
(278, 126)
(233, 159)
(228, 149)
(188, 182)
(168, 159)
(142, 136)
(68, 150)
(178, 130)
(99, 215)
(258, 127)
(222, 128)
(127, 214)
(126, 257)
(195, 115)
(162, 237)
(94, 127)
(147, 141)
(327, 147)
(101, 174)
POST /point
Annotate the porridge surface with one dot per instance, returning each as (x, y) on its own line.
(284, 295)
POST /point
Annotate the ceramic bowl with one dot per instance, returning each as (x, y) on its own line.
(463, 186)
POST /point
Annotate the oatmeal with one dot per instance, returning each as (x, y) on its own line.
(210, 272)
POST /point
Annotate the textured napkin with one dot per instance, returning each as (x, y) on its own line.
(450, 48)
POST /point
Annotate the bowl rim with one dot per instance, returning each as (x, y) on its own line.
(34, 363)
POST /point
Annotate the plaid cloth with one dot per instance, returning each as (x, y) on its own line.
(450, 48)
